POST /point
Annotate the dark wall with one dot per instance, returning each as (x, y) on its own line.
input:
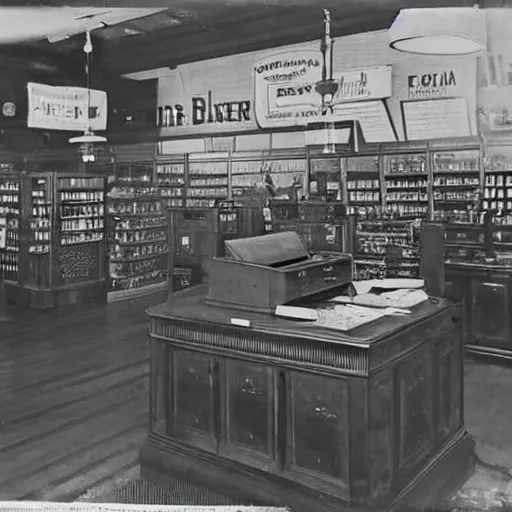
(131, 118)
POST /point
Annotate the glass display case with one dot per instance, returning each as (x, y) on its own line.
(56, 236)
(138, 238)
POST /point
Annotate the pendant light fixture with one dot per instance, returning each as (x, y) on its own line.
(439, 31)
(88, 139)
(327, 86)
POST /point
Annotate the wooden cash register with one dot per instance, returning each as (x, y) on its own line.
(276, 411)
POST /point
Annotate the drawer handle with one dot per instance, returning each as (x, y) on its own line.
(455, 320)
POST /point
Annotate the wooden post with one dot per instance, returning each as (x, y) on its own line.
(171, 240)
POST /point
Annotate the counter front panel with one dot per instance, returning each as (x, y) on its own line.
(277, 415)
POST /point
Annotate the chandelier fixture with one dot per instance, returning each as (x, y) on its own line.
(439, 31)
(88, 139)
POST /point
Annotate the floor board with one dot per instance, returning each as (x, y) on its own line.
(73, 398)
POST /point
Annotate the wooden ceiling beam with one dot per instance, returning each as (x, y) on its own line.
(233, 40)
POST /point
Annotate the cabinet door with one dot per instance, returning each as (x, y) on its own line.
(319, 428)
(249, 412)
(490, 312)
(195, 407)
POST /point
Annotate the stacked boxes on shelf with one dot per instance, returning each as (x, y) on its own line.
(456, 182)
(498, 180)
(406, 185)
(207, 182)
(363, 185)
(170, 178)
(139, 250)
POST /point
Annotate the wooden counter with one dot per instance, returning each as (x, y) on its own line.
(287, 413)
(487, 294)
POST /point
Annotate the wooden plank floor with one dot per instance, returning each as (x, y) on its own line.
(73, 398)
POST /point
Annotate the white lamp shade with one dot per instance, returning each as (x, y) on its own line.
(439, 31)
(87, 139)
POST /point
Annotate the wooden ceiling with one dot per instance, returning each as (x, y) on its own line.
(193, 30)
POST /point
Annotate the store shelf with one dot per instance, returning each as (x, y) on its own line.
(455, 183)
(406, 184)
(133, 293)
(387, 248)
(138, 227)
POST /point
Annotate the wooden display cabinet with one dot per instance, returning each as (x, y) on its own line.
(484, 286)
(285, 415)
(200, 233)
(61, 241)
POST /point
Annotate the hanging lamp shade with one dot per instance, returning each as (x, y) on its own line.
(439, 31)
(87, 138)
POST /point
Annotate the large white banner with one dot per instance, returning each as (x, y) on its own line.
(285, 95)
(65, 108)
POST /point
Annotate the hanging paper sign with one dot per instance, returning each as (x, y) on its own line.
(285, 94)
(66, 108)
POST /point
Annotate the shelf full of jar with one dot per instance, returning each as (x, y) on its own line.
(136, 207)
(138, 281)
(135, 273)
(132, 253)
(82, 214)
(136, 228)
(10, 210)
(133, 175)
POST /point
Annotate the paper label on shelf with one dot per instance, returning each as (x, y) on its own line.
(185, 241)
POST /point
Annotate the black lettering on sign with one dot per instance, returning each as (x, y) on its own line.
(204, 110)
(294, 91)
(170, 116)
(432, 80)
(198, 110)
